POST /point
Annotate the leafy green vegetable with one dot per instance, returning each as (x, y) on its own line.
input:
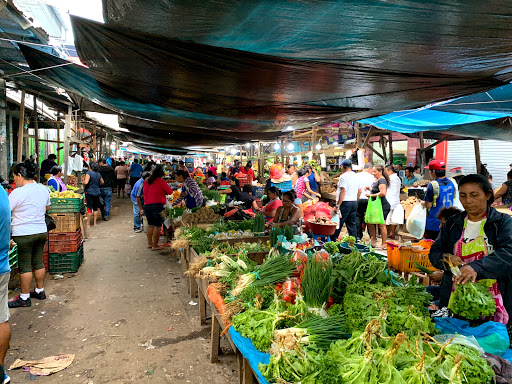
(404, 307)
(262, 297)
(331, 247)
(301, 365)
(259, 326)
(473, 300)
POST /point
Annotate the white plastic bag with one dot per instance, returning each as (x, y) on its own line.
(417, 221)
(396, 217)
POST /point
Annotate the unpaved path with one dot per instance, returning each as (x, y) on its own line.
(123, 296)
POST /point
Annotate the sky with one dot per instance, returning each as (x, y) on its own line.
(90, 9)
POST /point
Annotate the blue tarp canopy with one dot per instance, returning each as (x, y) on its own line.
(483, 115)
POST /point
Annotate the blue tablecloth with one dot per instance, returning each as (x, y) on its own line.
(253, 356)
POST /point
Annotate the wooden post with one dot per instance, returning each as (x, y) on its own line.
(260, 166)
(94, 143)
(58, 141)
(21, 127)
(4, 137)
(390, 143)
(101, 142)
(241, 156)
(36, 138)
(476, 143)
(313, 146)
(358, 135)
(282, 152)
(383, 146)
(422, 152)
(67, 133)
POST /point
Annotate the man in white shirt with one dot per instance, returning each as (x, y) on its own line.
(396, 213)
(364, 179)
(346, 200)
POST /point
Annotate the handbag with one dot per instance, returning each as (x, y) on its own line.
(50, 223)
(374, 212)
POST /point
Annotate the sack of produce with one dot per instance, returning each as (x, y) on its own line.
(277, 171)
(374, 213)
(417, 221)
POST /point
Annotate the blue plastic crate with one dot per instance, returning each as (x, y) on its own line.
(258, 191)
(284, 186)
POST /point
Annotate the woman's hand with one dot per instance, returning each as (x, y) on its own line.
(467, 274)
(454, 260)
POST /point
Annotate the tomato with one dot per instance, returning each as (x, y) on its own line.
(288, 298)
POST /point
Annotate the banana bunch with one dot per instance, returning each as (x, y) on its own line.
(65, 195)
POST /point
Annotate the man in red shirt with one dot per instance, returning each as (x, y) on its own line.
(247, 170)
(213, 169)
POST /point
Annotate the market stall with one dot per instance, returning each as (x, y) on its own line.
(318, 316)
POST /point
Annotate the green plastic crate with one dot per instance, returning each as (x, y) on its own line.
(66, 262)
(13, 257)
(61, 205)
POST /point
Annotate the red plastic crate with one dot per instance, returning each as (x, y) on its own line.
(46, 255)
(244, 179)
(65, 242)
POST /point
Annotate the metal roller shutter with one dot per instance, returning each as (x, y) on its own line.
(496, 154)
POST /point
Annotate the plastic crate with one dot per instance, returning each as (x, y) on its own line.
(66, 262)
(258, 191)
(393, 251)
(409, 256)
(285, 186)
(46, 255)
(65, 242)
(66, 222)
(244, 179)
(61, 205)
(13, 257)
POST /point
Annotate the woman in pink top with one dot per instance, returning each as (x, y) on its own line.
(275, 202)
(155, 190)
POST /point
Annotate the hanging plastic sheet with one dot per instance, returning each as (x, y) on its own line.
(429, 36)
(272, 91)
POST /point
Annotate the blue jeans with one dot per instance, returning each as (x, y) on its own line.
(348, 216)
(136, 215)
(106, 195)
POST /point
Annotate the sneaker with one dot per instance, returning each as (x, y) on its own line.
(7, 379)
(105, 218)
(443, 312)
(38, 296)
(19, 302)
(137, 230)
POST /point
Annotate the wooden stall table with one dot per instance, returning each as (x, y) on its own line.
(246, 374)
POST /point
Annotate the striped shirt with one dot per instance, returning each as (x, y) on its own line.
(192, 189)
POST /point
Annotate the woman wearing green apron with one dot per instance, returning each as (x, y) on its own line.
(479, 239)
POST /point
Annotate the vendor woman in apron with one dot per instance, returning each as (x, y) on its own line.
(480, 240)
(288, 213)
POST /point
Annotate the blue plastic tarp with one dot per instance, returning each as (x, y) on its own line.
(483, 115)
(247, 349)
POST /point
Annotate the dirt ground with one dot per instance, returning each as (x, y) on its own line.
(125, 315)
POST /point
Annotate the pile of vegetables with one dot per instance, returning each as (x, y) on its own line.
(372, 356)
(342, 320)
(202, 215)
